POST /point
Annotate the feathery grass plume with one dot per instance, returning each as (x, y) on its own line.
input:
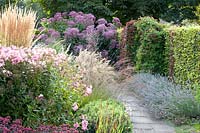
(97, 71)
(17, 26)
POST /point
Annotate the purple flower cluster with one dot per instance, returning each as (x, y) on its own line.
(81, 18)
(7, 126)
(71, 33)
(77, 29)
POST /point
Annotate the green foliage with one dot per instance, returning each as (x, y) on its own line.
(185, 45)
(198, 13)
(168, 10)
(185, 129)
(126, 10)
(39, 89)
(17, 90)
(107, 116)
(56, 107)
(96, 7)
(3, 3)
(148, 48)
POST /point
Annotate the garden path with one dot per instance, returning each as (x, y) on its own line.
(142, 120)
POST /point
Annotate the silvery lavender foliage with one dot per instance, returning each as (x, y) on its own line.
(164, 98)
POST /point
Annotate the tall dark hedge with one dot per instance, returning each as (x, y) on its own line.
(148, 47)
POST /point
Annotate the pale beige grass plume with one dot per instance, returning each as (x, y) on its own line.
(17, 26)
(96, 70)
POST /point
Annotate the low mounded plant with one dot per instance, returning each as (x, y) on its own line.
(106, 116)
(166, 99)
(17, 27)
(39, 86)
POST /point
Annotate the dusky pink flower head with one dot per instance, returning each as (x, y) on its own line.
(79, 19)
(51, 20)
(80, 13)
(82, 35)
(90, 16)
(116, 20)
(73, 14)
(104, 53)
(71, 23)
(102, 21)
(57, 15)
(43, 37)
(101, 28)
(55, 34)
(110, 34)
(41, 28)
(90, 29)
(71, 32)
(111, 26)
(51, 31)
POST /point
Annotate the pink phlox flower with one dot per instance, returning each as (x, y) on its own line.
(84, 124)
(76, 125)
(75, 106)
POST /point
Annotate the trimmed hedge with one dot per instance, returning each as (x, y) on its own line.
(165, 49)
(147, 49)
(183, 46)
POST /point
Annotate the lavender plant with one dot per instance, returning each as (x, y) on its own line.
(166, 99)
(82, 31)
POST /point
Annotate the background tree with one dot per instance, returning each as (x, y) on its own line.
(169, 10)
(97, 7)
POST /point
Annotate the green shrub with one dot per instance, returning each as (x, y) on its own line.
(184, 44)
(38, 86)
(107, 116)
(149, 45)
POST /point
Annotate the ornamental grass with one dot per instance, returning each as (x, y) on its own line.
(17, 26)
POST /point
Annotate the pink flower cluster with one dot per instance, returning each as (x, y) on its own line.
(8, 126)
(37, 57)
